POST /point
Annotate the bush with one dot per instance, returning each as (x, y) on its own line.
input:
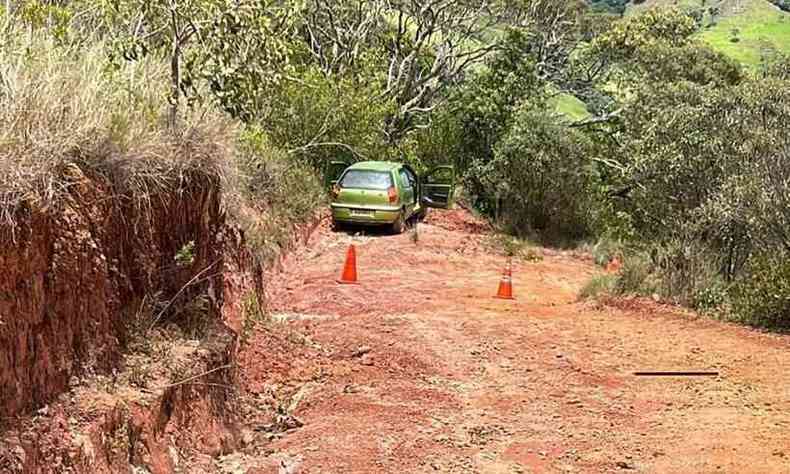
(541, 179)
(762, 297)
(636, 276)
(274, 193)
(605, 250)
(599, 285)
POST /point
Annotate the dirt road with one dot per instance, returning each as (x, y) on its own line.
(418, 369)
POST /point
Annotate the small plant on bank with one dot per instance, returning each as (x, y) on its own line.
(186, 254)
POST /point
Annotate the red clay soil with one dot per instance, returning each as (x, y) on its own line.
(419, 369)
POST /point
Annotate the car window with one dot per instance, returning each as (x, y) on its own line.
(407, 181)
(366, 179)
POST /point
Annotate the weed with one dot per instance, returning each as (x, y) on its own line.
(253, 313)
(635, 276)
(138, 376)
(599, 285)
(516, 247)
(186, 254)
(763, 297)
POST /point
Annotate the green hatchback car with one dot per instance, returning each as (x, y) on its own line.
(387, 193)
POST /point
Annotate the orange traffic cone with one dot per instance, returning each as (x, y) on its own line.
(506, 283)
(349, 276)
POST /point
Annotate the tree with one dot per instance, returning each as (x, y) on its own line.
(426, 46)
(230, 46)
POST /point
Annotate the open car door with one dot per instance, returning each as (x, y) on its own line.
(438, 187)
(333, 172)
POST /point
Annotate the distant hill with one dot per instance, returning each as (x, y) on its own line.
(745, 30)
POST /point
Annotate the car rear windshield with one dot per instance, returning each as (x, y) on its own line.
(366, 179)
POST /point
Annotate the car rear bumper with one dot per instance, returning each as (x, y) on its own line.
(364, 215)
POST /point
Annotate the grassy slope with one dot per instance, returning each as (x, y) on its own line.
(761, 26)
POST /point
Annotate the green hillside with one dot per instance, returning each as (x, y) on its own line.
(744, 30)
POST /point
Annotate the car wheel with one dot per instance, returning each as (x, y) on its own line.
(399, 224)
(336, 226)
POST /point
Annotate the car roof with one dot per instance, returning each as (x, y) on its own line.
(376, 165)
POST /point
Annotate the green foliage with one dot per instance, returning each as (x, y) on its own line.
(277, 193)
(39, 14)
(762, 297)
(599, 285)
(185, 255)
(658, 47)
(320, 119)
(605, 250)
(534, 169)
(635, 277)
(708, 141)
(614, 6)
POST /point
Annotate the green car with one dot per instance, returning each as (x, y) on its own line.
(387, 193)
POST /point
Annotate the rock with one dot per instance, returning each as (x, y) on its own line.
(361, 351)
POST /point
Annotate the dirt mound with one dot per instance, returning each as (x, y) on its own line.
(458, 219)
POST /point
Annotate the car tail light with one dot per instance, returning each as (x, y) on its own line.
(392, 194)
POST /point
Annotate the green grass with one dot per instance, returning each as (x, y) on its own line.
(570, 106)
(761, 27)
(633, 8)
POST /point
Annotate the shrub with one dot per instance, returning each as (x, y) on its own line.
(274, 193)
(712, 297)
(605, 250)
(762, 297)
(541, 179)
(599, 285)
(635, 276)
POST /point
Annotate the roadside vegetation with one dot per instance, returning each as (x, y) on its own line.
(647, 133)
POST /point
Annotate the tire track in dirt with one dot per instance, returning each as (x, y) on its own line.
(418, 369)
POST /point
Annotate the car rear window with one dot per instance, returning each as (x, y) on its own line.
(366, 179)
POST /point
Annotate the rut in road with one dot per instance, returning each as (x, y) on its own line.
(419, 369)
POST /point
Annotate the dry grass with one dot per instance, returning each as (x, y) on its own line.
(62, 106)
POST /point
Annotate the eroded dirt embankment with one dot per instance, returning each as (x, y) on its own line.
(83, 282)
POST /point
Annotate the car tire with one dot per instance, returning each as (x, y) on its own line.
(400, 224)
(337, 226)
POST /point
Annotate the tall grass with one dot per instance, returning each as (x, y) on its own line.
(66, 105)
